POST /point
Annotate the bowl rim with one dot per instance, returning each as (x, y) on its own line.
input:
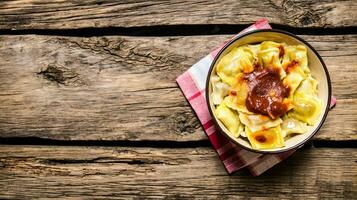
(281, 32)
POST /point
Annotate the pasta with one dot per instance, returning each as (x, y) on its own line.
(264, 93)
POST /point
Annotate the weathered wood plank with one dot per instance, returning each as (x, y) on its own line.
(169, 173)
(123, 88)
(39, 14)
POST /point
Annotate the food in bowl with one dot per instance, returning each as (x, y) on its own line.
(265, 93)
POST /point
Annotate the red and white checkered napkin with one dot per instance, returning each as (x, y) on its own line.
(192, 83)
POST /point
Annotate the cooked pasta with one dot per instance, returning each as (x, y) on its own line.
(265, 93)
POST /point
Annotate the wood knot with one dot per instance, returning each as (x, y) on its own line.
(309, 18)
(61, 75)
(302, 14)
(186, 123)
(2, 164)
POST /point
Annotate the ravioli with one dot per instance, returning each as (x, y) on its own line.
(229, 118)
(265, 93)
(307, 105)
(293, 80)
(292, 126)
(269, 56)
(266, 139)
(308, 87)
(296, 53)
(258, 122)
(237, 95)
(306, 108)
(219, 90)
(232, 102)
(239, 60)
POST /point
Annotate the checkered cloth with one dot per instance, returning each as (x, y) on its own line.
(192, 83)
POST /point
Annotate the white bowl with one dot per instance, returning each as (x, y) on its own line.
(318, 70)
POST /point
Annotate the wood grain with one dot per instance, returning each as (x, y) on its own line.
(47, 171)
(39, 14)
(123, 88)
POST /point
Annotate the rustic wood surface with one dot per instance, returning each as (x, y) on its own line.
(115, 122)
(123, 88)
(47, 171)
(39, 14)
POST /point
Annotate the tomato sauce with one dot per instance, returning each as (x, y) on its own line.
(291, 66)
(266, 92)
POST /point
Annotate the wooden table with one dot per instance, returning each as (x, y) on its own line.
(89, 105)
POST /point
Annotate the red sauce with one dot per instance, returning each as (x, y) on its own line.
(266, 92)
(260, 138)
(281, 51)
(256, 65)
(233, 92)
(291, 66)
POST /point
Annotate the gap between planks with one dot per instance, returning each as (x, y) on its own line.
(42, 14)
(175, 30)
(152, 143)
